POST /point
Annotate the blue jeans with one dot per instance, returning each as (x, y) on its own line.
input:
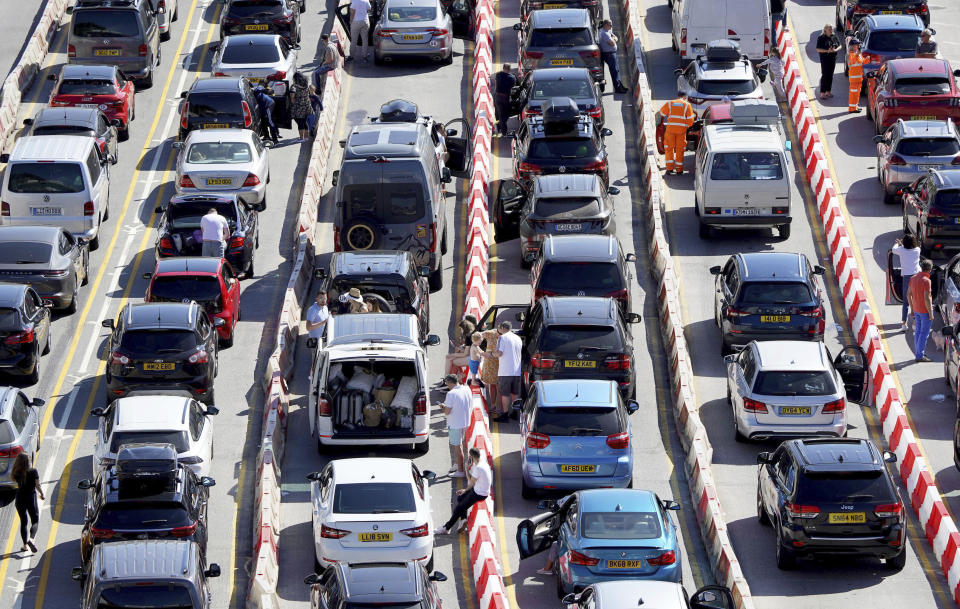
(212, 248)
(613, 64)
(906, 301)
(921, 332)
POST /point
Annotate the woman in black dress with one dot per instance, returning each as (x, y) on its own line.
(827, 47)
(28, 486)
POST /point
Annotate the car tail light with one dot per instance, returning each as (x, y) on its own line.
(186, 182)
(597, 166)
(588, 2)
(750, 405)
(872, 58)
(219, 74)
(617, 362)
(102, 533)
(284, 20)
(532, 54)
(766, 41)
(594, 54)
(59, 102)
(142, 50)
(889, 102)
(420, 405)
(19, 338)
(332, 533)
(200, 356)
(781, 211)
(667, 558)
(54, 274)
(531, 168)
(71, 50)
(435, 31)
(387, 33)
(861, 10)
(534, 5)
(247, 117)
(336, 239)
(956, 160)
(186, 531)
(323, 406)
(888, 510)
(896, 159)
(619, 441)
(537, 440)
(801, 511)
(935, 213)
(542, 360)
(815, 312)
(4, 209)
(88, 208)
(540, 293)
(528, 112)
(236, 242)
(576, 558)
(421, 531)
(683, 42)
(166, 243)
(711, 211)
(835, 406)
(230, 21)
(251, 180)
(119, 358)
(277, 75)
(161, 4)
(922, 8)
(11, 451)
(595, 111)
(183, 115)
(736, 313)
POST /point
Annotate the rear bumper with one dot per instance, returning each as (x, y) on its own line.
(198, 386)
(877, 546)
(21, 363)
(762, 431)
(574, 578)
(939, 243)
(745, 221)
(534, 479)
(419, 549)
(741, 339)
(437, 46)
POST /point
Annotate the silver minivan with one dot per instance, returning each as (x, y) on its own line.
(124, 33)
(58, 180)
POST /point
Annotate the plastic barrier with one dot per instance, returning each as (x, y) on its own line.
(935, 521)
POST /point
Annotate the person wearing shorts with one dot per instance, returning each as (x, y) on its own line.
(508, 350)
(456, 407)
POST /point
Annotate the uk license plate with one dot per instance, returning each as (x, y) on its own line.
(924, 117)
(554, 5)
(46, 211)
(891, 12)
(219, 181)
(794, 411)
(215, 125)
(257, 27)
(745, 211)
(86, 105)
(106, 52)
(774, 319)
(561, 62)
(375, 537)
(412, 36)
(568, 227)
(578, 363)
(578, 469)
(254, 80)
(926, 167)
(848, 518)
(624, 564)
(158, 366)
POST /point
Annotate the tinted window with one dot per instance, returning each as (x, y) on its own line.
(572, 338)
(620, 525)
(143, 515)
(567, 276)
(573, 87)
(373, 498)
(922, 86)
(411, 14)
(928, 147)
(62, 130)
(45, 177)
(549, 207)
(555, 148)
(105, 23)
(157, 342)
(188, 287)
(250, 8)
(726, 87)
(9, 319)
(891, 42)
(187, 215)
(215, 105)
(794, 383)
(568, 421)
(86, 87)
(215, 152)
(177, 438)
(160, 597)
(756, 292)
(837, 486)
(250, 53)
(6, 432)
(24, 252)
(948, 198)
(746, 166)
(19, 414)
(560, 37)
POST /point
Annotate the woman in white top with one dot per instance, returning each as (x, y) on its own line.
(909, 253)
(477, 490)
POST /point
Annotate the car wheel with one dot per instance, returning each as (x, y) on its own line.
(176, 12)
(321, 447)
(673, 45)
(46, 344)
(422, 448)
(737, 436)
(227, 342)
(148, 81)
(448, 60)
(946, 369)
(560, 591)
(729, 396)
(75, 299)
(762, 517)
(526, 491)
(898, 562)
(250, 267)
(443, 239)
(784, 231)
(165, 36)
(436, 279)
(34, 377)
(208, 397)
(705, 231)
(317, 568)
(429, 564)
(95, 242)
(786, 559)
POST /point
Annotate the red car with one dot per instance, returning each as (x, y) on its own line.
(912, 89)
(102, 87)
(211, 282)
(717, 113)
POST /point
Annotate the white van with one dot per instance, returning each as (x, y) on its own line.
(57, 180)
(742, 176)
(697, 22)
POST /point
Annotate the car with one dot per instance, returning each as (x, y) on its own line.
(210, 282)
(583, 265)
(19, 430)
(605, 535)
(124, 34)
(615, 594)
(563, 203)
(47, 258)
(146, 494)
(713, 115)
(912, 89)
(178, 232)
(224, 161)
(829, 497)
(157, 346)
(371, 510)
(595, 8)
(24, 330)
(262, 16)
(719, 75)
(561, 140)
(885, 37)
(223, 103)
(767, 296)
(907, 149)
(931, 211)
(575, 434)
(542, 84)
(556, 38)
(102, 87)
(76, 121)
(262, 59)
(850, 12)
(166, 16)
(413, 28)
(790, 388)
(363, 585)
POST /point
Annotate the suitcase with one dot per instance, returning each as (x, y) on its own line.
(723, 50)
(560, 115)
(755, 112)
(350, 408)
(145, 469)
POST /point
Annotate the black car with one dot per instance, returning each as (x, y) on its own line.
(146, 495)
(224, 102)
(162, 346)
(561, 140)
(76, 121)
(462, 14)
(931, 211)
(178, 233)
(388, 280)
(262, 17)
(767, 296)
(539, 86)
(594, 6)
(24, 330)
(583, 265)
(831, 497)
(572, 337)
(850, 12)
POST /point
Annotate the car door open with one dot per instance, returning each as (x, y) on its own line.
(460, 157)
(851, 364)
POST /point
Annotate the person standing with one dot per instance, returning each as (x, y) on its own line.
(503, 83)
(927, 47)
(921, 303)
(490, 368)
(300, 106)
(456, 407)
(215, 231)
(265, 104)
(28, 487)
(677, 115)
(908, 252)
(608, 52)
(477, 490)
(360, 27)
(508, 350)
(827, 47)
(855, 76)
(775, 65)
(476, 354)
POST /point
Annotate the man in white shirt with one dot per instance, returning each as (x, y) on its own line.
(508, 372)
(360, 27)
(317, 316)
(456, 407)
(477, 490)
(215, 231)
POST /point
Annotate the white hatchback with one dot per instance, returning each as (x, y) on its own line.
(224, 161)
(371, 510)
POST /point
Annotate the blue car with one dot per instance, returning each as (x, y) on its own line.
(885, 37)
(603, 535)
(575, 434)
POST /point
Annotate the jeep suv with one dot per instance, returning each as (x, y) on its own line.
(122, 33)
(831, 497)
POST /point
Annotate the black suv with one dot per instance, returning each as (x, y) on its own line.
(262, 17)
(162, 346)
(831, 497)
(224, 102)
(561, 140)
(583, 265)
(767, 296)
(389, 280)
(178, 233)
(147, 494)
(850, 12)
(24, 330)
(542, 84)
(931, 211)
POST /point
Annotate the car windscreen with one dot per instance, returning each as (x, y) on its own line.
(577, 421)
(86, 87)
(560, 37)
(746, 166)
(216, 152)
(201, 288)
(177, 438)
(105, 23)
(576, 338)
(567, 276)
(836, 487)
(730, 87)
(567, 87)
(794, 383)
(142, 515)
(374, 498)
(404, 13)
(186, 215)
(24, 252)
(48, 178)
(250, 53)
(62, 130)
(9, 319)
(948, 199)
(145, 595)
(564, 205)
(157, 343)
(889, 41)
(774, 292)
(929, 85)
(553, 148)
(942, 146)
(215, 105)
(620, 525)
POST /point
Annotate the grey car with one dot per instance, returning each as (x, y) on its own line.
(47, 258)
(19, 425)
(124, 33)
(616, 594)
(413, 28)
(75, 121)
(907, 149)
(560, 38)
(264, 59)
(167, 12)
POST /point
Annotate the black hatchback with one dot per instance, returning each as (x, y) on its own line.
(162, 346)
(24, 330)
(224, 102)
(262, 17)
(542, 84)
(583, 265)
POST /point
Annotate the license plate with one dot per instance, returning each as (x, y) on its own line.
(561, 62)
(412, 37)
(159, 366)
(794, 411)
(576, 363)
(569, 227)
(891, 12)
(106, 52)
(578, 469)
(624, 564)
(219, 181)
(86, 105)
(258, 27)
(554, 5)
(848, 518)
(746, 211)
(774, 319)
(254, 80)
(376, 537)
(215, 126)
(926, 167)
(46, 211)
(923, 117)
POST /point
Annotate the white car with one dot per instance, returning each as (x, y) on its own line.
(224, 161)
(616, 594)
(371, 510)
(719, 75)
(264, 59)
(173, 419)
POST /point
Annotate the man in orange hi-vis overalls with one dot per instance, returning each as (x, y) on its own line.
(677, 116)
(855, 74)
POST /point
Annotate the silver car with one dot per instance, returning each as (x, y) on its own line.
(19, 426)
(167, 12)
(266, 59)
(787, 388)
(47, 258)
(709, 80)
(615, 594)
(224, 161)
(413, 28)
(907, 149)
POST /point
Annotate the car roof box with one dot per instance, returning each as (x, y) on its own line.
(139, 461)
(755, 112)
(398, 111)
(560, 115)
(723, 50)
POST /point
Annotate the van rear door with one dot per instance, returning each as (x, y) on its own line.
(705, 22)
(749, 25)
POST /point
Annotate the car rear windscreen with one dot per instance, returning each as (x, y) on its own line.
(186, 215)
(104, 23)
(205, 153)
(215, 105)
(930, 85)
(566, 205)
(560, 149)
(86, 87)
(774, 292)
(201, 288)
(374, 498)
(893, 41)
(157, 343)
(62, 130)
(837, 487)
(142, 515)
(794, 383)
(726, 87)
(574, 338)
(9, 319)
(177, 438)
(410, 14)
(948, 199)
(132, 595)
(24, 252)
(620, 525)
(746, 166)
(393, 194)
(928, 147)
(576, 276)
(560, 37)
(568, 87)
(250, 53)
(250, 8)
(47, 178)
(577, 421)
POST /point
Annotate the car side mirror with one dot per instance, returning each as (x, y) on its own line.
(517, 405)
(547, 504)
(669, 504)
(320, 273)
(311, 579)
(878, 139)
(432, 340)
(452, 132)
(335, 177)
(729, 359)
(715, 270)
(207, 481)
(605, 132)
(38, 402)
(437, 576)
(84, 484)
(158, 209)
(947, 331)
(178, 145)
(613, 190)
(76, 573)
(445, 175)
(112, 159)
(147, 276)
(889, 456)
(428, 475)
(314, 476)
(211, 411)
(631, 257)
(183, 95)
(52, 77)
(818, 270)
(764, 457)
(517, 26)
(98, 411)
(678, 71)
(107, 323)
(424, 271)
(4, 157)
(27, 122)
(218, 322)
(632, 406)
(213, 570)
(633, 318)
(956, 72)
(312, 342)
(295, 47)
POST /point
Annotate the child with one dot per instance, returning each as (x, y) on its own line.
(476, 353)
(775, 65)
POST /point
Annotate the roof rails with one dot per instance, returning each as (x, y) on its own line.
(104, 3)
(755, 112)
